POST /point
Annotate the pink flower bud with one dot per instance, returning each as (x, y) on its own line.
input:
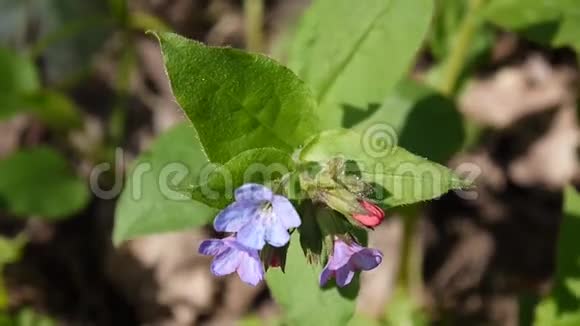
(373, 216)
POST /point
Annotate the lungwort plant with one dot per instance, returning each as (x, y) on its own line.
(291, 164)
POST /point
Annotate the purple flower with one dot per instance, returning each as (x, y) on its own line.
(230, 256)
(258, 216)
(346, 259)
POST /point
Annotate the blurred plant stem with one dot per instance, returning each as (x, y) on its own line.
(254, 25)
(461, 46)
(67, 31)
(10, 252)
(118, 117)
(120, 11)
(410, 277)
(471, 23)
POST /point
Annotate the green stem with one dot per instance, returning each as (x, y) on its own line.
(118, 118)
(254, 24)
(67, 31)
(410, 278)
(461, 47)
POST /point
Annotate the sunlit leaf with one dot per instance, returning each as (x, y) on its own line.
(237, 100)
(302, 299)
(260, 165)
(399, 176)
(353, 55)
(152, 201)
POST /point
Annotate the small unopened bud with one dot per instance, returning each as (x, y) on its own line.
(274, 257)
(373, 216)
(341, 200)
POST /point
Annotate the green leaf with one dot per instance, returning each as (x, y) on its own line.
(10, 252)
(55, 109)
(362, 320)
(548, 22)
(11, 249)
(40, 182)
(569, 31)
(260, 165)
(562, 306)
(237, 100)
(17, 73)
(151, 201)
(399, 176)
(18, 76)
(403, 310)
(352, 55)
(28, 317)
(20, 92)
(298, 293)
(406, 118)
(519, 15)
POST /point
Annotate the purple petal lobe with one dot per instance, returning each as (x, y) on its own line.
(254, 193)
(344, 276)
(211, 247)
(252, 235)
(226, 262)
(251, 269)
(235, 216)
(325, 275)
(276, 235)
(340, 255)
(367, 259)
(285, 212)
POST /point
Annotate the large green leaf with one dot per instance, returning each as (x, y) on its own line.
(562, 307)
(151, 201)
(552, 22)
(39, 182)
(237, 100)
(260, 165)
(303, 300)
(399, 176)
(406, 117)
(353, 54)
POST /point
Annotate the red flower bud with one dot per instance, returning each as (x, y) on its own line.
(373, 216)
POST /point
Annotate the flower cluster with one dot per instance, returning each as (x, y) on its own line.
(259, 222)
(258, 216)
